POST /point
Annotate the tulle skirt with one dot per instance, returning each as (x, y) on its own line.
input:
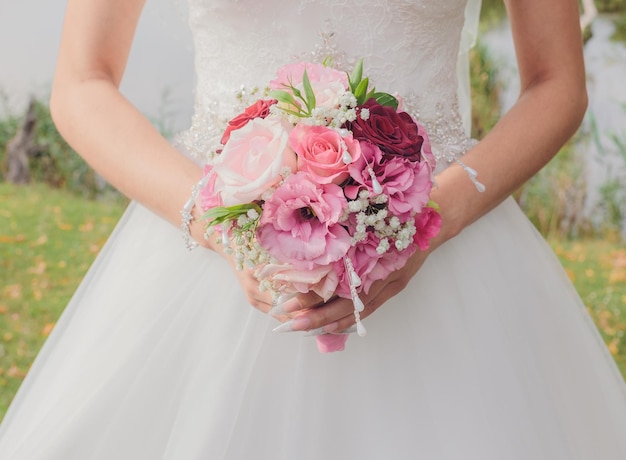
(488, 354)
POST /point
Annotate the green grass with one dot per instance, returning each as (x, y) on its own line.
(48, 239)
(598, 270)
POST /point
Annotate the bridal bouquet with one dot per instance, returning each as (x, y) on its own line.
(322, 184)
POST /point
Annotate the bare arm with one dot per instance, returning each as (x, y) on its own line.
(550, 107)
(111, 134)
(100, 123)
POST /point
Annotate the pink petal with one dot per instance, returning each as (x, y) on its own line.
(327, 343)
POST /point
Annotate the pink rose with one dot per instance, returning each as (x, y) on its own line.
(427, 226)
(291, 75)
(328, 84)
(320, 152)
(299, 224)
(260, 109)
(253, 159)
(322, 279)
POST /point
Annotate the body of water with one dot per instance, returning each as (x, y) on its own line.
(605, 61)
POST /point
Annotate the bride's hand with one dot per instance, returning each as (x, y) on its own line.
(309, 313)
(249, 283)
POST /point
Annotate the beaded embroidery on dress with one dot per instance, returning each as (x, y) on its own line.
(488, 354)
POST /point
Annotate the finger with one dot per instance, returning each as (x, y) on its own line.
(299, 302)
(324, 316)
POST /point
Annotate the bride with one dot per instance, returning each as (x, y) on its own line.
(480, 348)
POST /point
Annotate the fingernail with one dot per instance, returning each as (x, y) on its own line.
(350, 330)
(277, 310)
(312, 332)
(291, 305)
(301, 323)
(286, 296)
(328, 329)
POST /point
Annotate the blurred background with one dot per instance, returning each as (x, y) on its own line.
(57, 213)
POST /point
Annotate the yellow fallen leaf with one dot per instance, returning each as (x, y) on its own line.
(47, 329)
(43, 239)
(15, 371)
(64, 226)
(614, 346)
(7, 337)
(589, 273)
(13, 291)
(38, 269)
(617, 276)
(87, 226)
(12, 238)
(4, 309)
(570, 274)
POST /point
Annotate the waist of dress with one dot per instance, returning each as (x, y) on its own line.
(444, 127)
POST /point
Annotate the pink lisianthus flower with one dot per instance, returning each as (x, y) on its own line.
(260, 109)
(369, 265)
(209, 197)
(320, 152)
(328, 84)
(364, 259)
(253, 159)
(406, 183)
(300, 223)
(427, 226)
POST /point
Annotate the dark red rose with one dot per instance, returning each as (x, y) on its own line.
(260, 109)
(395, 133)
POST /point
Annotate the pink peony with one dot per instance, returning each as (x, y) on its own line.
(299, 224)
(253, 159)
(320, 152)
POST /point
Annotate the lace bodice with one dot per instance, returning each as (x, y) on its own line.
(409, 47)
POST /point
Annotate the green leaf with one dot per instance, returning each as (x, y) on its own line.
(221, 214)
(432, 204)
(308, 91)
(356, 76)
(361, 91)
(385, 99)
(283, 96)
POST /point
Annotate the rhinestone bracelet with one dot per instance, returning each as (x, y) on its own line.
(187, 216)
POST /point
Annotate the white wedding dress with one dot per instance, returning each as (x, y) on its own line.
(488, 354)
